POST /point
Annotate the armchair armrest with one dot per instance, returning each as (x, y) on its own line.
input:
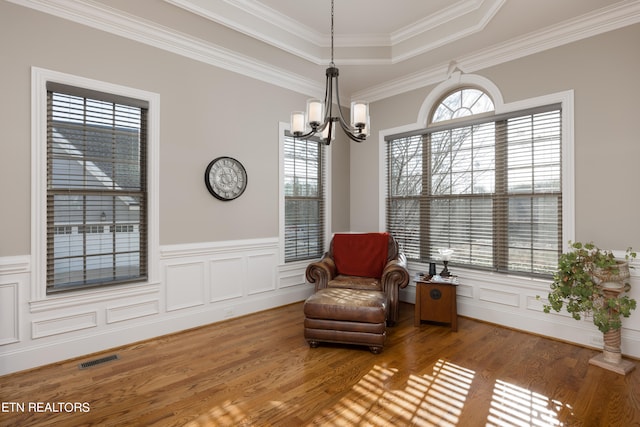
(321, 272)
(395, 273)
(394, 277)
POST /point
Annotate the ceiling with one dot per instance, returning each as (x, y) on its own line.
(382, 42)
(382, 47)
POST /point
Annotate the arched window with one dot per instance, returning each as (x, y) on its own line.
(487, 185)
(462, 103)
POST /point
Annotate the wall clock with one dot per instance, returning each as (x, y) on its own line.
(226, 178)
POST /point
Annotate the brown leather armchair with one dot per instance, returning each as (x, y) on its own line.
(327, 273)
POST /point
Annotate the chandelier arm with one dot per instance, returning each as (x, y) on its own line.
(328, 101)
(329, 131)
(350, 134)
(345, 124)
(305, 135)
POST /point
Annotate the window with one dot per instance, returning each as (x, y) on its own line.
(487, 185)
(96, 194)
(304, 198)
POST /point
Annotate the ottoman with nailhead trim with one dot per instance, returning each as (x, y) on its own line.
(346, 316)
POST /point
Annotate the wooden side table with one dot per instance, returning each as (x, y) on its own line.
(436, 302)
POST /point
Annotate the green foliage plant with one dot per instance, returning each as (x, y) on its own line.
(577, 286)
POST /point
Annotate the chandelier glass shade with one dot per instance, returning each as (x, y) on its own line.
(321, 116)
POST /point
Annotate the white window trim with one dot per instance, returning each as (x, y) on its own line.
(456, 80)
(39, 299)
(282, 127)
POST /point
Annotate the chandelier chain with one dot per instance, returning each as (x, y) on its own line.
(332, 63)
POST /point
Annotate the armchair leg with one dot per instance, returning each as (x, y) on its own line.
(375, 349)
(313, 344)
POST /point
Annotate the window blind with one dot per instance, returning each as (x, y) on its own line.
(489, 188)
(96, 190)
(304, 189)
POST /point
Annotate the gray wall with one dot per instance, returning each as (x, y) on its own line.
(604, 73)
(206, 112)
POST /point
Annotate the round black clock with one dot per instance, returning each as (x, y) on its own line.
(225, 178)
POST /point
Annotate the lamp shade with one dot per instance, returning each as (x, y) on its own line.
(325, 132)
(315, 112)
(297, 123)
(359, 114)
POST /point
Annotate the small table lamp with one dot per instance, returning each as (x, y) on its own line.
(445, 256)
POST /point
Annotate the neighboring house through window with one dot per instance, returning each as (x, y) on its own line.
(487, 184)
(96, 151)
(96, 192)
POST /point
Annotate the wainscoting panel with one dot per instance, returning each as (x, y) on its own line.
(132, 311)
(499, 297)
(226, 278)
(534, 303)
(64, 324)
(465, 291)
(9, 310)
(292, 276)
(185, 285)
(261, 269)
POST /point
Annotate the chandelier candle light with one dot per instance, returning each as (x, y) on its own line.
(320, 117)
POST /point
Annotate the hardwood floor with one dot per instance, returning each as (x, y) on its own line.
(259, 371)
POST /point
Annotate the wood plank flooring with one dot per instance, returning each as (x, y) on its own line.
(259, 371)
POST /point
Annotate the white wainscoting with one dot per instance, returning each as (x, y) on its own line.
(512, 301)
(206, 283)
(14, 275)
(9, 319)
(199, 284)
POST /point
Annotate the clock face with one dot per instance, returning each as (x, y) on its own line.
(225, 178)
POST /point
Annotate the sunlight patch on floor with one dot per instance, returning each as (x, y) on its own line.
(384, 397)
(516, 406)
(428, 400)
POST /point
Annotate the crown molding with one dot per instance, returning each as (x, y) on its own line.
(446, 15)
(259, 22)
(459, 24)
(607, 19)
(99, 16)
(592, 24)
(254, 19)
(104, 18)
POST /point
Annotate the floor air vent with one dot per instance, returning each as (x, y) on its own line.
(95, 362)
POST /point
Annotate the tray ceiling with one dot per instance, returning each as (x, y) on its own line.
(382, 47)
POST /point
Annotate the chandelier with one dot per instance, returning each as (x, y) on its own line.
(320, 117)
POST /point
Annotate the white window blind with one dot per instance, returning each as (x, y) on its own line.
(490, 188)
(96, 189)
(304, 192)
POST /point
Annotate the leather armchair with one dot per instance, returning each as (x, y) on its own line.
(325, 274)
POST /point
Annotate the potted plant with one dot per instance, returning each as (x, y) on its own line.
(591, 281)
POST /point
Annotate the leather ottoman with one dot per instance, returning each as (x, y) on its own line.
(346, 316)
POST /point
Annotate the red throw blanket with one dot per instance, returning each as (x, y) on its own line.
(363, 254)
